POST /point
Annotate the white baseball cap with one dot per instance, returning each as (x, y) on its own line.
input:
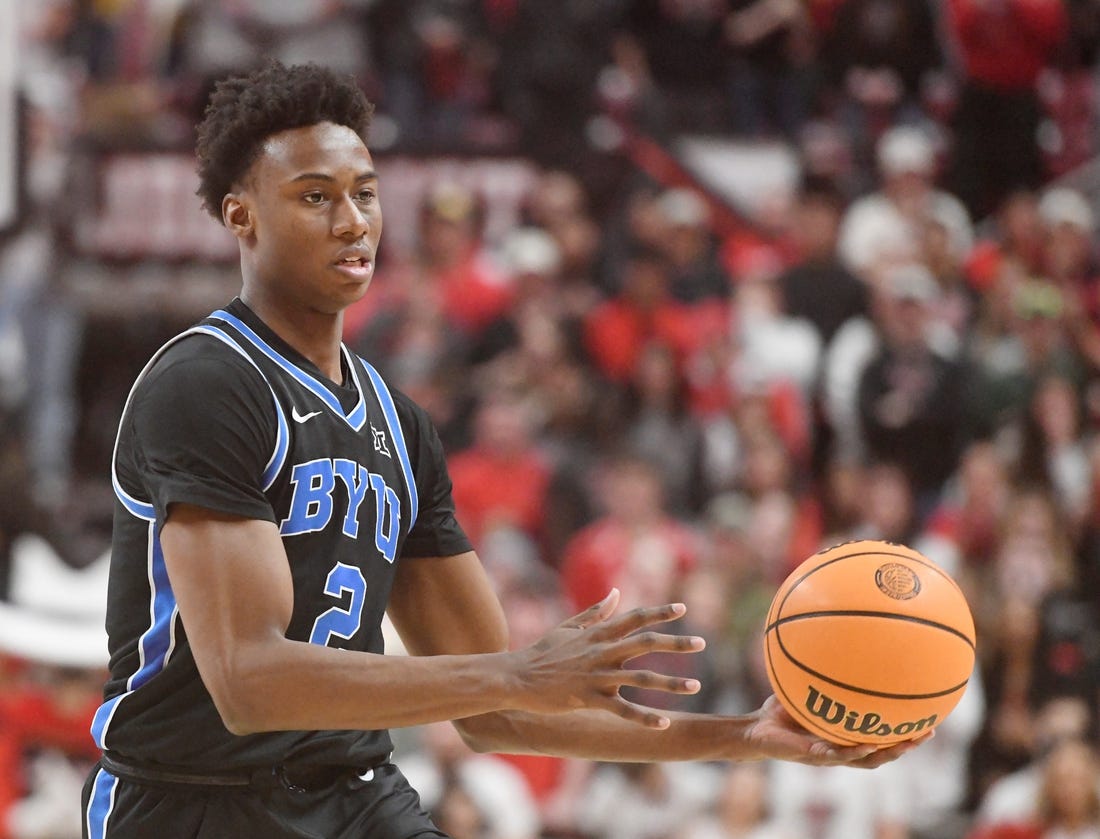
(1063, 205)
(905, 149)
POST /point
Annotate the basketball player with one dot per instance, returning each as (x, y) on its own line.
(275, 498)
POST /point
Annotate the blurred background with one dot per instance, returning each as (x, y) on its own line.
(691, 288)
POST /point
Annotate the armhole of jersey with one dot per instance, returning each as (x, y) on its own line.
(397, 434)
(282, 435)
(144, 509)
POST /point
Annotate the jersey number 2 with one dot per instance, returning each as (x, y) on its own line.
(340, 621)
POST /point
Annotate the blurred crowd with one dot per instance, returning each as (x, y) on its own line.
(639, 384)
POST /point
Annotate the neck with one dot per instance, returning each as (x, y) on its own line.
(316, 335)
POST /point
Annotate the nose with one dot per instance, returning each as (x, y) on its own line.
(348, 220)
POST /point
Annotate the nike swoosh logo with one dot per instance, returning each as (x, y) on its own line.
(302, 417)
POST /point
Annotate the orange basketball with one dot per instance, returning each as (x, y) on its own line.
(869, 642)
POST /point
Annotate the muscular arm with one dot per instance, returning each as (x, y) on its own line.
(233, 585)
(446, 605)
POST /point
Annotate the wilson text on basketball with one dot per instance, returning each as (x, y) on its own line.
(836, 713)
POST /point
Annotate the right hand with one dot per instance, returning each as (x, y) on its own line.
(580, 663)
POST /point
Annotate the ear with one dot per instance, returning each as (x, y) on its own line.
(237, 215)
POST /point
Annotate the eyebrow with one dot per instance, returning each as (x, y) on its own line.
(369, 175)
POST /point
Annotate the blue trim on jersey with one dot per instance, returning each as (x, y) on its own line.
(356, 417)
(101, 803)
(140, 509)
(282, 436)
(397, 434)
(145, 510)
(155, 644)
(102, 720)
(282, 445)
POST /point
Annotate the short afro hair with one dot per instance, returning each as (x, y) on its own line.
(244, 111)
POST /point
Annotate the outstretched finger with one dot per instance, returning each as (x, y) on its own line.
(651, 680)
(655, 642)
(630, 622)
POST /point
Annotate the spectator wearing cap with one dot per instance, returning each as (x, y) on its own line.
(686, 238)
(453, 261)
(885, 227)
(1036, 345)
(558, 204)
(531, 260)
(912, 404)
(860, 339)
(1071, 261)
(1069, 222)
(1004, 47)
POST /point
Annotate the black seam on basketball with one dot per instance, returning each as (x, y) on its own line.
(870, 613)
(806, 720)
(927, 563)
(860, 690)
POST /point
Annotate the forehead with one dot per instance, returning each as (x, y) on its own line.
(323, 148)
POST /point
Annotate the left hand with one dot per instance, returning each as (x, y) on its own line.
(776, 734)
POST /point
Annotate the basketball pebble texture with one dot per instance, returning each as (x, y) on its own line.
(869, 642)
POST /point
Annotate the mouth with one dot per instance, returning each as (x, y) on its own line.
(359, 267)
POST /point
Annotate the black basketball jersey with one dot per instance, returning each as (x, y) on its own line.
(229, 417)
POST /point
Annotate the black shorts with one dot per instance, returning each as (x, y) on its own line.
(378, 805)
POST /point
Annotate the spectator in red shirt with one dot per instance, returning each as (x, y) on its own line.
(450, 276)
(635, 545)
(45, 714)
(643, 312)
(1004, 45)
(501, 479)
(638, 547)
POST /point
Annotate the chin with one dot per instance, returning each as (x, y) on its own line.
(357, 291)
(346, 295)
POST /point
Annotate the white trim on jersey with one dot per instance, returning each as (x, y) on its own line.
(282, 438)
(355, 418)
(397, 434)
(157, 642)
(145, 510)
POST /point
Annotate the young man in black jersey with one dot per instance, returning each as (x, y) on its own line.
(275, 499)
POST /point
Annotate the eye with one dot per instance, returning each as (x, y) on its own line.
(365, 196)
(313, 197)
